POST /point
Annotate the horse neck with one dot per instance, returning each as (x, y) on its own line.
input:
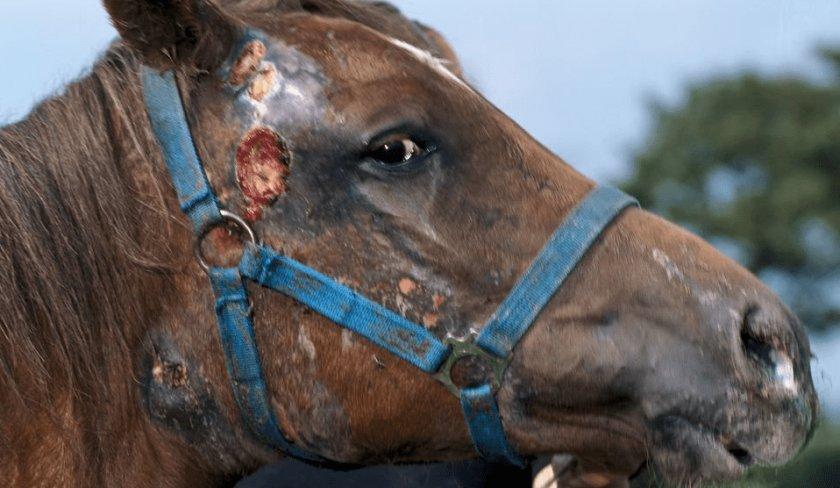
(84, 236)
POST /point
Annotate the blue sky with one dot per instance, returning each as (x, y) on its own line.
(578, 74)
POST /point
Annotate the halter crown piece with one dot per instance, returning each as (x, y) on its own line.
(347, 308)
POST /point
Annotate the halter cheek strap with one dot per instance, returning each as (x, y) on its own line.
(347, 308)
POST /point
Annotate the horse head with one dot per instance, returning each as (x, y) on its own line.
(348, 138)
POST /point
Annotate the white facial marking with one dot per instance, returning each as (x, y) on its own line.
(427, 58)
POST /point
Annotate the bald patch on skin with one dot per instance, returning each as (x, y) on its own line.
(296, 100)
(306, 343)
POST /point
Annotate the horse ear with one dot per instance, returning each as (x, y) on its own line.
(444, 49)
(194, 34)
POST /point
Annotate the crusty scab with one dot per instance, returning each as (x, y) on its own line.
(258, 71)
(247, 62)
(263, 82)
(250, 70)
(178, 397)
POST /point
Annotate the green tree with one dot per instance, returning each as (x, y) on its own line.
(752, 163)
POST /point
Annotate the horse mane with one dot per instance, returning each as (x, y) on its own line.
(76, 256)
(72, 255)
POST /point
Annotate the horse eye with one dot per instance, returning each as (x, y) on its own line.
(396, 150)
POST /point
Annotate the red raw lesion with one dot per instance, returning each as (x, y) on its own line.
(262, 168)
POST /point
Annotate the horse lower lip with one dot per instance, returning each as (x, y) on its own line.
(692, 448)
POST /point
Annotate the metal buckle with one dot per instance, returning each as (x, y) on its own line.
(462, 349)
(227, 217)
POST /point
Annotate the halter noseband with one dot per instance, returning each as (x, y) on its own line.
(347, 308)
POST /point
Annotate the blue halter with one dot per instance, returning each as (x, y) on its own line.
(347, 308)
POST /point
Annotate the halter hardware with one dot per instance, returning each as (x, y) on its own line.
(463, 350)
(491, 348)
(460, 349)
(227, 217)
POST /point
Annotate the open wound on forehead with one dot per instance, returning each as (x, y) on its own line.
(262, 167)
(250, 68)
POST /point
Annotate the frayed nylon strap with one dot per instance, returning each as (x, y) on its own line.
(169, 124)
(345, 307)
(236, 332)
(564, 250)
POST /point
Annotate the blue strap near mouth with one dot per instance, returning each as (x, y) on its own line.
(523, 304)
(485, 424)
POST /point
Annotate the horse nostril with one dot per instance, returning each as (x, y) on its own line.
(741, 455)
(755, 347)
(766, 353)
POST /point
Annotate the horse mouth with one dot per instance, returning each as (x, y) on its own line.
(735, 459)
(685, 452)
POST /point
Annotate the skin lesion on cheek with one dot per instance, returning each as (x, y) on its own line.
(250, 72)
(263, 83)
(247, 63)
(262, 169)
(420, 302)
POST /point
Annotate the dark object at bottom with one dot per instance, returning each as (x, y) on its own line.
(470, 474)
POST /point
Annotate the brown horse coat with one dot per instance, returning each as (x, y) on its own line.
(658, 348)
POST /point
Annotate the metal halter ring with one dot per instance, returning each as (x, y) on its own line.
(462, 349)
(227, 217)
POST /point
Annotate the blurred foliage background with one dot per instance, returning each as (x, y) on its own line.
(752, 163)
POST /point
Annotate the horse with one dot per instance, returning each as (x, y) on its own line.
(346, 136)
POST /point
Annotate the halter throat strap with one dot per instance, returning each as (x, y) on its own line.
(407, 340)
